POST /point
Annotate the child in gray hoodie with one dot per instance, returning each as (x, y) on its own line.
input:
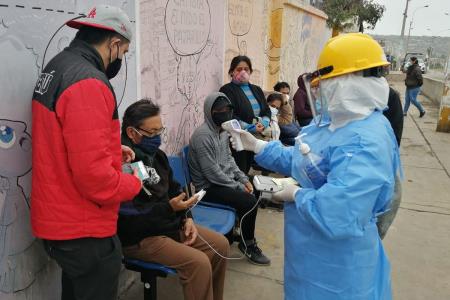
(213, 168)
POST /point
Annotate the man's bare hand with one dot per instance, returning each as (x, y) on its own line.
(127, 154)
(178, 204)
(259, 127)
(190, 232)
(248, 187)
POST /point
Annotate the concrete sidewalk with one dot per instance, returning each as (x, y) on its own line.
(418, 243)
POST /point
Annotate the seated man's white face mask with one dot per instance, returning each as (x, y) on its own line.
(353, 97)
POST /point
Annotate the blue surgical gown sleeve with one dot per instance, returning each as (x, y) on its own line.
(359, 184)
(276, 157)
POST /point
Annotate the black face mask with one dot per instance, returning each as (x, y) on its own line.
(221, 117)
(114, 67)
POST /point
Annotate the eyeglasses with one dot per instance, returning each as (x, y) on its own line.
(152, 133)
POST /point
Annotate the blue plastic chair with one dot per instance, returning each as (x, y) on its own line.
(149, 273)
(218, 217)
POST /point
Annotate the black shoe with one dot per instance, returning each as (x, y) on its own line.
(422, 113)
(254, 254)
(405, 115)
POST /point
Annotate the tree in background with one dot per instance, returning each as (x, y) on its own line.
(368, 13)
(341, 14)
(344, 14)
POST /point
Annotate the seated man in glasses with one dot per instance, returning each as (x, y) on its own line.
(156, 225)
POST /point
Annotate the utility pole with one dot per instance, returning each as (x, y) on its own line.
(405, 15)
(402, 35)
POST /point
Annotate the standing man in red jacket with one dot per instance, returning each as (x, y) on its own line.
(77, 183)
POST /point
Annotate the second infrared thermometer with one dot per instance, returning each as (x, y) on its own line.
(233, 127)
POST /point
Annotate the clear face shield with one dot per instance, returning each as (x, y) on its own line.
(315, 99)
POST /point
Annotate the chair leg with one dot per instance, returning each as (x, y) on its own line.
(150, 288)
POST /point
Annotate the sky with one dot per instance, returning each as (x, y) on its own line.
(430, 21)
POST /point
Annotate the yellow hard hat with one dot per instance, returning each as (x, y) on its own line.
(348, 53)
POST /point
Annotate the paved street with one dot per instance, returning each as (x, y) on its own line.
(418, 243)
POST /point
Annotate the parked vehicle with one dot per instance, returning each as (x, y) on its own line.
(420, 58)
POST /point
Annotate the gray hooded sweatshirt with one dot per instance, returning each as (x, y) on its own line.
(210, 160)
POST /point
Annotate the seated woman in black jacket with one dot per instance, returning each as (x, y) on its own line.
(156, 225)
(249, 105)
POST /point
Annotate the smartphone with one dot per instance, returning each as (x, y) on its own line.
(139, 165)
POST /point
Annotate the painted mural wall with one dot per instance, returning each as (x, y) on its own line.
(246, 30)
(304, 34)
(283, 38)
(184, 54)
(181, 61)
(25, 30)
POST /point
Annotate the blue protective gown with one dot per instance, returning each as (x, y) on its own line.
(332, 247)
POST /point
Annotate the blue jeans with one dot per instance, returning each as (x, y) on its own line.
(411, 96)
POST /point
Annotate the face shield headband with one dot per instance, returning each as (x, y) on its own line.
(313, 97)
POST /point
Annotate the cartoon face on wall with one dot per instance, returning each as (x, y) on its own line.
(15, 143)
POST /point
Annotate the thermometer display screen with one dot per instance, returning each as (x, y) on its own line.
(235, 124)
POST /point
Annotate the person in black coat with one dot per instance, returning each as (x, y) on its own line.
(249, 105)
(413, 82)
(394, 114)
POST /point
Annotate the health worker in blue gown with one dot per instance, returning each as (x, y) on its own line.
(345, 163)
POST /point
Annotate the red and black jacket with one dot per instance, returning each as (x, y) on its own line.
(77, 183)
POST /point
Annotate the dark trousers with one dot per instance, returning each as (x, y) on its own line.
(239, 200)
(90, 267)
(244, 160)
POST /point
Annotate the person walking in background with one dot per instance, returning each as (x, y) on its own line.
(413, 82)
(394, 114)
(78, 183)
(249, 103)
(289, 129)
(302, 109)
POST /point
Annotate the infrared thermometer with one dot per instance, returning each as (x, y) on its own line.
(233, 127)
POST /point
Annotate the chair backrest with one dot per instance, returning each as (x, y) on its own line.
(179, 173)
(219, 218)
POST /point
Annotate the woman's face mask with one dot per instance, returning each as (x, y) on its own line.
(241, 77)
(273, 111)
